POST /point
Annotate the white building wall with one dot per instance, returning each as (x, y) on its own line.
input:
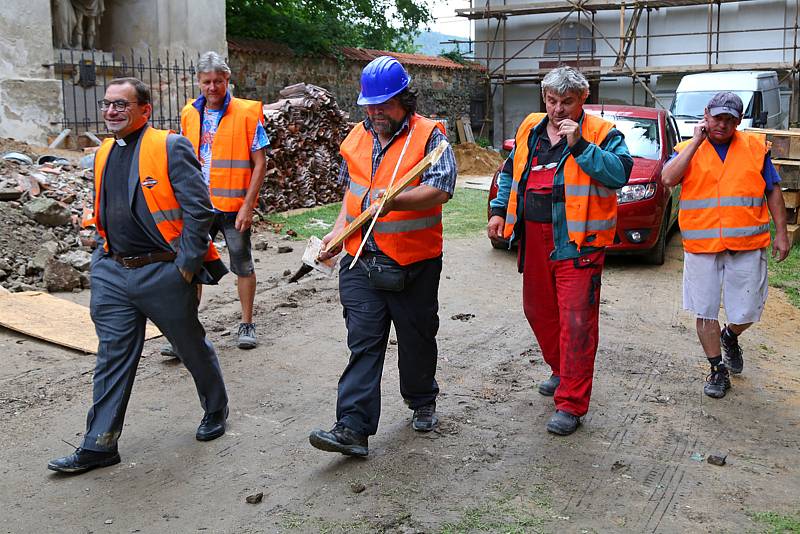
(684, 50)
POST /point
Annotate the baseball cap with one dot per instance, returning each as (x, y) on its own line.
(725, 102)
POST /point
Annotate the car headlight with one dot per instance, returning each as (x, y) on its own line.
(632, 193)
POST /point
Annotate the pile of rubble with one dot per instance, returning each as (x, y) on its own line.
(472, 159)
(305, 129)
(41, 203)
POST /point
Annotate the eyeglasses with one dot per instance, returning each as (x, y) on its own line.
(118, 105)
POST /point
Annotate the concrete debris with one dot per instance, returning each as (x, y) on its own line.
(463, 317)
(357, 487)
(284, 249)
(305, 128)
(18, 157)
(61, 276)
(47, 211)
(41, 205)
(715, 459)
(255, 498)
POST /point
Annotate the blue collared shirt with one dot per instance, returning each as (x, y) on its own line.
(441, 175)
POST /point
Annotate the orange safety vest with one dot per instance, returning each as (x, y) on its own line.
(722, 205)
(156, 188)
(591, 207)
(231, 169)
(404, 236)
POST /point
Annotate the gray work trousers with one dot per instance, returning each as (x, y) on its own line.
(121, 302)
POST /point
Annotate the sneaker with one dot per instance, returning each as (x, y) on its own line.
(169, 351)
(731, 351)
(340, 439)
(717, 382)
(548, 387)
(563, 423)
(424, 418)
(247, 336)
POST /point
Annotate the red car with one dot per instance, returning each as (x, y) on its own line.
(647, 210)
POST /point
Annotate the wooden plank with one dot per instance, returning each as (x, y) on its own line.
(791, 199)
(462, 136)
(791, 216)
(468, 135)
(432, 157)
(785, 143)
(789, 171)
(43, 316)
(794, 233)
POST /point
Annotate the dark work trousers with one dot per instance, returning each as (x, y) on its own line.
(121, 302)
(368, 314)
(561, 299)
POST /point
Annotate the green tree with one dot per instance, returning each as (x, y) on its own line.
(319, 26)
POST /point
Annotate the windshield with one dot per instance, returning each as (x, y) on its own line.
(641, 135)
(691, 105)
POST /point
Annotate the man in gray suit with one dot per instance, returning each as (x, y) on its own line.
(153, 213)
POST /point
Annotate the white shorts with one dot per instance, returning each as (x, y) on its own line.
(741, 276)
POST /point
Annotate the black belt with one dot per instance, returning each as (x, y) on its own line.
(133, 262)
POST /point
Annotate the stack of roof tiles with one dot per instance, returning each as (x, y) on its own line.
(305, 128)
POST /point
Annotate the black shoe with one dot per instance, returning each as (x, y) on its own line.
(563, 423)
(717, 382)
(83, 460)
(169, 351)
(548, 387)
(212, 426)
(731, 351)
(424, 418)
(340, 439)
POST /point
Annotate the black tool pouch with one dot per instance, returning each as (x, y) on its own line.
(385, 274)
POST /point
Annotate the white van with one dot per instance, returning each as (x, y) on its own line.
(758, 90)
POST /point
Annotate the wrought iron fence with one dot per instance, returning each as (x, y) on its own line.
(85, 76)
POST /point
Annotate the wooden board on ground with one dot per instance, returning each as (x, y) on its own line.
(462, 136)
(791, 199)
(789, 171)
(785, 143)
(469, 137)
(43, 316)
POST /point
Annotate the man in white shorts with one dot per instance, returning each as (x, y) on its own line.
(729, 192)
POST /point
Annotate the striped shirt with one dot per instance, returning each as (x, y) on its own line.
(441, 175)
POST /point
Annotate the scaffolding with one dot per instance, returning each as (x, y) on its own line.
(630, 51)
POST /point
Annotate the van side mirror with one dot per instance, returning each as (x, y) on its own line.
(761, 120)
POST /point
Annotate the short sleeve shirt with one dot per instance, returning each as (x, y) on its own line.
(211, 118)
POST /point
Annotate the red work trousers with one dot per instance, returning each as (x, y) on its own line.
(561, 299)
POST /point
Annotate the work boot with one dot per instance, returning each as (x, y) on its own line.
(717, 382)
(424, 418)
(247, 336)
(169, 351)
(212, 426)
(340, 439)
(563, 423)
(83, 460)
(548, 387)
(731, 351)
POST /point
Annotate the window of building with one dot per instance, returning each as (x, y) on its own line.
(570, 38)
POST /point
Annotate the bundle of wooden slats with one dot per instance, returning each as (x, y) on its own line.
(305, 128)
(785, 152)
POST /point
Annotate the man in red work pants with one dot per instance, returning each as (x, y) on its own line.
(556, 196)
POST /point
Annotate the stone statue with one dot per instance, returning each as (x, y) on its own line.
(76, 23)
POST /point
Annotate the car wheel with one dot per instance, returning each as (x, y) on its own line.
(657, 254)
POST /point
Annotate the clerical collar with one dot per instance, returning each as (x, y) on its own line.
(131, 138)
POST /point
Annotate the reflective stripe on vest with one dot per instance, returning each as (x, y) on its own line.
(591, 208)
(231, 169)
(405, 236)
(722, 205)
(158, 193)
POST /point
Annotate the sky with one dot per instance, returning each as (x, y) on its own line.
(446, 21)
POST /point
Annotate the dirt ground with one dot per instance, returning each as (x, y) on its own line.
(491, 467)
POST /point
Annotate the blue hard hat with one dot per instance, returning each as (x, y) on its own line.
(381, 79)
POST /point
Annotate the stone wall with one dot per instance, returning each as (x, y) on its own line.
(30, 99)
(446, 93)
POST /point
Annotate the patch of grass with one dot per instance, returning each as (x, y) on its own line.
(778, 523)
(508, 515)
(786, 274)
(463, 216)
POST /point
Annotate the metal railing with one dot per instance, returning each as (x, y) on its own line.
(85, 75)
